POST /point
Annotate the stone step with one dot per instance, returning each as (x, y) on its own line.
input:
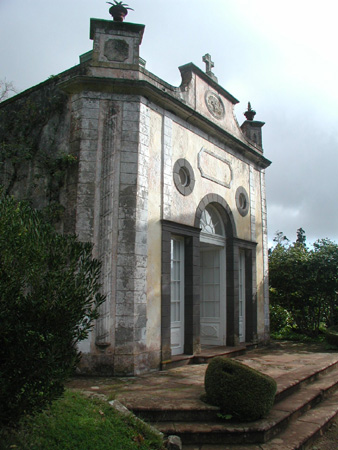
(288, 384)
(206, 355)
(302, 431)
(299, 435)
(198, 426)
(325, 377)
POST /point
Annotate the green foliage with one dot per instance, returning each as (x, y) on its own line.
(303, 282)
(224, 416)
(238, 390)
(331, 335)
(49, 296)
(75, 422)
(301, 237)
(280, 318)
(292, 334)
(119, 4)
(325, 266)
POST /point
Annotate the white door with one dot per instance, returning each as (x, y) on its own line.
(241, 296)
(212, 280)
(213, 298)
(177, 295)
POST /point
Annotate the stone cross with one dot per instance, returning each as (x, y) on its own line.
(209, 65)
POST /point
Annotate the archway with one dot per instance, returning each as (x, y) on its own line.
(223, 241)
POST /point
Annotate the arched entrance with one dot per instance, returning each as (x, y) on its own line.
(208, 290)
(212, 277)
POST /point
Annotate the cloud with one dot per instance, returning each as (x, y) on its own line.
(278, 55)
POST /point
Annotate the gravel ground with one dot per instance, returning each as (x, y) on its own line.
(329, 440)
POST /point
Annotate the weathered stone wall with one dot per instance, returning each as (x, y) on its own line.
(36, 162)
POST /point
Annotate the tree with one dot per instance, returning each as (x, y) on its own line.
(301, 237)
(49, 296)
(289, 282)
(6, 89)
(304, 281)
(325, 265)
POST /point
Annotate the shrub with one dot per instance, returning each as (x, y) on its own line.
(304, 281)
(238, 390)
(280, 318)
(331, 335)
(49, 295)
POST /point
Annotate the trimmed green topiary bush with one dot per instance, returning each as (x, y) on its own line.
(331, 335)
(238, 390)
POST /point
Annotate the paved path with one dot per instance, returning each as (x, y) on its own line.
(282, 361)
(184, 386)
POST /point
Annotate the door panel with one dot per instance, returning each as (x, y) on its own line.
(177, 296)
(241, 296)
(212, 296)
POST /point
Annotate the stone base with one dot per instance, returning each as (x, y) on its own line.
(108, 365)
(96, 365)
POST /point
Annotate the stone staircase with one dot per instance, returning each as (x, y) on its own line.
(306, 402)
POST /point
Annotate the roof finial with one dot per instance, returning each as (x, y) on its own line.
(250, 113)
(118, 10)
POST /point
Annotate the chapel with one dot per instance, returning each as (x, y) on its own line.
(170, 189)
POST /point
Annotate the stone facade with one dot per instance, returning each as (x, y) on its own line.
(158, 168)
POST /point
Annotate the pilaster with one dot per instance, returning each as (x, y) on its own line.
(252, 204)
(132, 244)
(265, 257)
(167, 167)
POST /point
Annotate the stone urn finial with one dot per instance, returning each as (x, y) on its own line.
(118, 10)
(250, 113)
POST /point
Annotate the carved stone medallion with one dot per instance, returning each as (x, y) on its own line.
(116, 50)
(214, 105)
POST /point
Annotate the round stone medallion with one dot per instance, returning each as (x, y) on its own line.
(184, 178)
(242, 201)
(215, 105)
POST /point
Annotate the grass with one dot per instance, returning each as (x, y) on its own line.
(290, 334)
(75, 422)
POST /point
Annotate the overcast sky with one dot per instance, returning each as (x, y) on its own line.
(279, 55)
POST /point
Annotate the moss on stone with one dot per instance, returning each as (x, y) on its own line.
(239, 390)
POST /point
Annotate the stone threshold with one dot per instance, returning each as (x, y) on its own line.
(205, 355)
